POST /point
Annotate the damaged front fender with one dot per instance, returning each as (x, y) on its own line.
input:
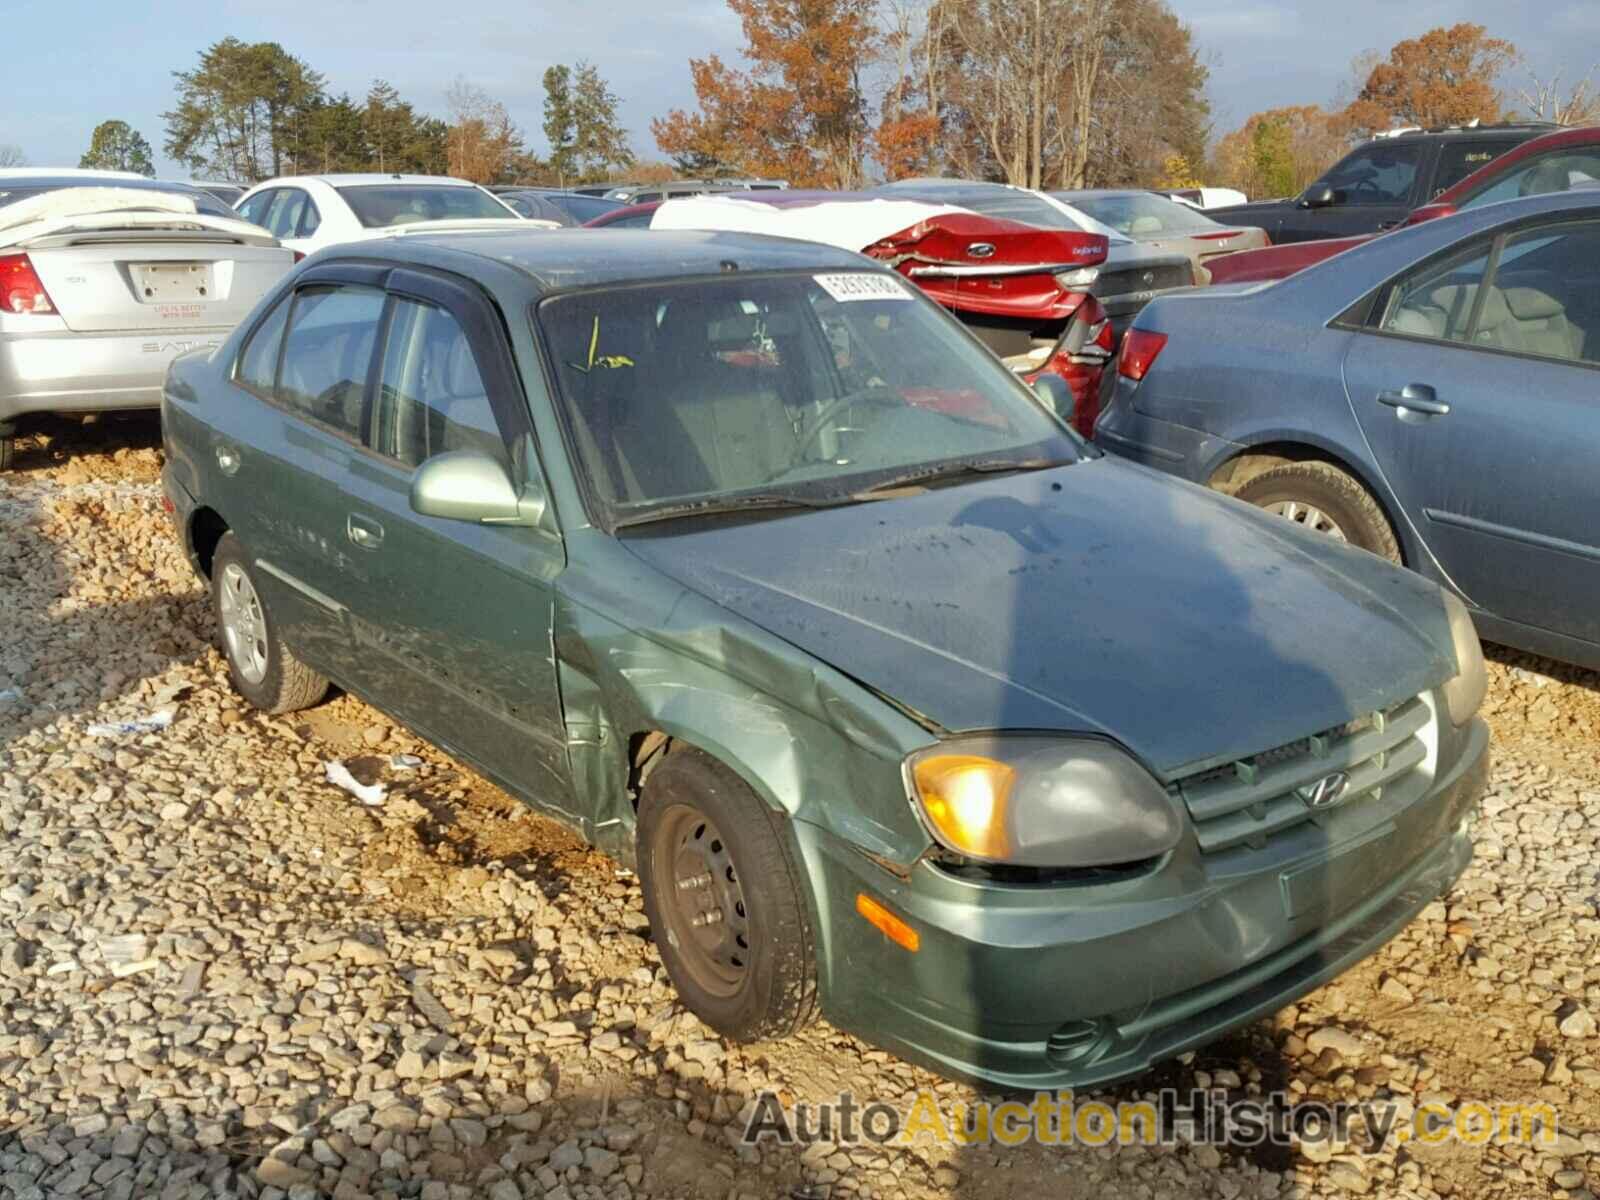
(639, 654)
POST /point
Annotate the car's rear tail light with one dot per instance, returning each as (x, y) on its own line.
(299, 256)
(1139, 350)
(20, 288)
(1078, 279)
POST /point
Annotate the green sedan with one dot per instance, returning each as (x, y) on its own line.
(910, 709)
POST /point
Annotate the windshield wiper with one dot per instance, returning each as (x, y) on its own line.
(955, 470)
(728, 504)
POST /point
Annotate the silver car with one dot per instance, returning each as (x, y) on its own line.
(1160, 223)
(105, 278)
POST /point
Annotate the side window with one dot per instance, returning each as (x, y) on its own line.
(1557, 171)
(310, 219)
(1537, 301)
(327, 354)
(1437, 301)
(1459, 159)
(285, 216)
(1381, 174)
(254, 209)
(258, 365)
(431, 397)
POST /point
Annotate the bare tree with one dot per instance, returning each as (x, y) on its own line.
(1547, 100)
(484, 144)
(12, 156)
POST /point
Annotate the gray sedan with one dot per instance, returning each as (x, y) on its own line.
(1159, 223)
(1429, 396)
(104, 280)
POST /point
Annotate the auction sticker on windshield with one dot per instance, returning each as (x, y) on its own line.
(860, 286)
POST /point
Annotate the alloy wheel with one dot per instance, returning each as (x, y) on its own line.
(1310, 516)
(244, 625)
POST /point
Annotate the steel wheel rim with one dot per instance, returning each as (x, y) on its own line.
(707, 918)
(244, 625)
(1310, 516)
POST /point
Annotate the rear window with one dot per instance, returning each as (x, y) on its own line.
(379, 205)
(1457, 160)
(204, 202)
(1144, 214)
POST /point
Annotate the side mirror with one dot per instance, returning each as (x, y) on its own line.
(465, 485)
(1318, 195)
(1057, 396)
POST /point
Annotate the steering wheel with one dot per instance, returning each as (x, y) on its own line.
(872, 394)
(1369, 186)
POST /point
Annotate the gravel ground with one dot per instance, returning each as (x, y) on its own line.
(221, 976)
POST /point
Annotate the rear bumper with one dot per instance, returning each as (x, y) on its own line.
(89, 372)
(1175, 449)
(1042, 988)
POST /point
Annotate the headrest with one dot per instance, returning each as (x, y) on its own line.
(1530, 304)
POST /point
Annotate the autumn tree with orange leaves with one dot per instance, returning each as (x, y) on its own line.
(1444, 77)
(799, 113)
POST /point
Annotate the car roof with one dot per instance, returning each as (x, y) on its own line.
(558, 259)
(1102, 193)
(369, 179)
(1407, 134)
(66, 173)
(65, 179)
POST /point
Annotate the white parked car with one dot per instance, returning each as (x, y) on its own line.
(105, 278)
(1206, 197)
(308, 212)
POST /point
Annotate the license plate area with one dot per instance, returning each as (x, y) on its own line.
(172, 283)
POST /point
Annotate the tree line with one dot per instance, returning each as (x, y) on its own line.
(836, 93)
(248, 111)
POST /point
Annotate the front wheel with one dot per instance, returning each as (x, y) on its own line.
(724, 899)
(264, 670)
(1320, 497)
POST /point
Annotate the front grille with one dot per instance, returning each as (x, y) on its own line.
(1121, 282)
(1248, 801)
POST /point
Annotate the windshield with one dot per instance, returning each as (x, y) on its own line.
(379, 205)
(204, 202)
(1142, 214)
(805, 386)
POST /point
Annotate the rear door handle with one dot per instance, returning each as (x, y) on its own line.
(364, 531)
(1415, 397)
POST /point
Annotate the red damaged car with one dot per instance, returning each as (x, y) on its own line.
(1553, 162)
(1022, 290)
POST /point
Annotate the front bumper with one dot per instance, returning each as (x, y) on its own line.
(1037, 988)
(58, 371)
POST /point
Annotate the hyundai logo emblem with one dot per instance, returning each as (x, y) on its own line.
(981, 250)
(1325, 792)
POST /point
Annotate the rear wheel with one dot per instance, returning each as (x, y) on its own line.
(724, 899)
(1321, 497)
(264, 671)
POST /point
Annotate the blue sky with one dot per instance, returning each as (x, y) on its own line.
(77, 62)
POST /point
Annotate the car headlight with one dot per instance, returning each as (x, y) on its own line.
(1465, 692)
(1041, 801)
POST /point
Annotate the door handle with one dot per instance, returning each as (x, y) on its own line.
(1415, 397)
(228, 459)
(1387, 224)
(364, 532)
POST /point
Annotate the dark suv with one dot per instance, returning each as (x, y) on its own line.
(1374, 186)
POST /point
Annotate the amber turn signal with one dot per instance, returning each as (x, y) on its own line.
(891, 926)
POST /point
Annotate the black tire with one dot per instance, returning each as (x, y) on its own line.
(277, 681)
(691, 803)
(1340, 501)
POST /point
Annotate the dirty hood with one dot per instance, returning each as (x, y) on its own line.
(1096, 598)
